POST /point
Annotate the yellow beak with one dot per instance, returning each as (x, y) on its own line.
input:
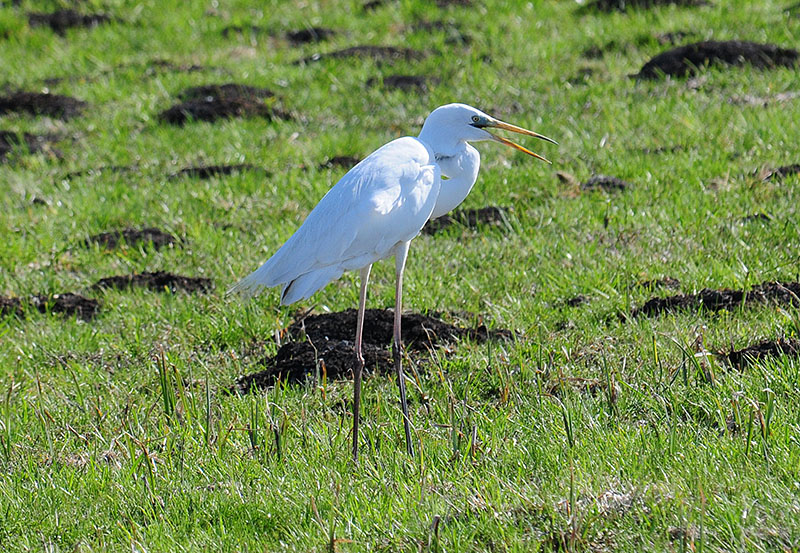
(519, 130)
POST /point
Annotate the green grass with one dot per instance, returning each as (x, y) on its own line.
(117, 434)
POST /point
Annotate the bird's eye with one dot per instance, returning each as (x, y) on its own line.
(475, 118)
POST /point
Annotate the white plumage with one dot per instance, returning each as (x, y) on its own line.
(374, 212)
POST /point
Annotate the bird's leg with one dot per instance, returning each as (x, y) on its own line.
(362, 304)
(401, 253)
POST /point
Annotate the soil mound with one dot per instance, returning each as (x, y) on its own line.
(782, 172)
(212, 102)
(310, 34)
(471, 218)
(407, 83)
(10, 141)
(68, 304)
(38, 103)
(686, 60)
(10, 306)
(608, 6)
(329, 343)
(209, 171)
(227, 90)
(159, 281)
(295, 362)
(787, 293)
(604, 182)
(339, 161)
(376, 53)
(130, 236)
(768, 348)
(62, 20)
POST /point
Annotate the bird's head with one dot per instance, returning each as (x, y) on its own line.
(460, 122)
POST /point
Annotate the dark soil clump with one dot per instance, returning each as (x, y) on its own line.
(67, 304)
(407, 83)
(330, 343)
(419, 331)
(38, 103)
(577, 301)
(622, 5)
(782, 172)
(310, 34)
(10, 306)
(768, 348)
(787, 293)
(686, 60)
(376, 53)
(296, 362)
(212, 102)
(340, 161)
(159, 281)
(603, 182)
(62, 20)
(471, 218)
(115, 238)
(227, 90)
(10, 141)
(205, 172)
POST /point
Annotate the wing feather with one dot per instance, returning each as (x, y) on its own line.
(385, 199)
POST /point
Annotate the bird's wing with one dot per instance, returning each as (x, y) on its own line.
(385, 199)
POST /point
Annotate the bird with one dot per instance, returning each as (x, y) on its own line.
(374, 212)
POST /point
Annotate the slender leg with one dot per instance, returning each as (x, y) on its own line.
(401, 253)
(362, 304)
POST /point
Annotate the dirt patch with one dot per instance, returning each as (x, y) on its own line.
(787, 293)
(62, 20)
(755, 218)
(25, 142)
(768, 348)
(373, 5)
(448, 3)
(212, 102)
(376, 53)
(340, 161)
(782, 172)
(686, 60)
(10, 306)
(295, 362)
(604, 182)
(209, 171)
(131, 236)
(38, 103)
(329, 345)
(227, 90)
(623, 5)
(419, 331)
(68, 304)
(159, 281)
(577, 301)
(309, 34)
(407, 83)
(471, 218)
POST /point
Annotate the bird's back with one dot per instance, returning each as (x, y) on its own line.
(385, 199)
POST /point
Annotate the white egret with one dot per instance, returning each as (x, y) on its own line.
(374, 212)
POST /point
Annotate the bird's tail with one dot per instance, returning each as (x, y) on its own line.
(254, 283)
(306, 284)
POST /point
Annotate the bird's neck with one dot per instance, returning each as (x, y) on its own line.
(459, 172)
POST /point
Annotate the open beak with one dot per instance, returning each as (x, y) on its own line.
(513, 128)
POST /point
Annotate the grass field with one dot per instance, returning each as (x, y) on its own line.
(591, 430)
